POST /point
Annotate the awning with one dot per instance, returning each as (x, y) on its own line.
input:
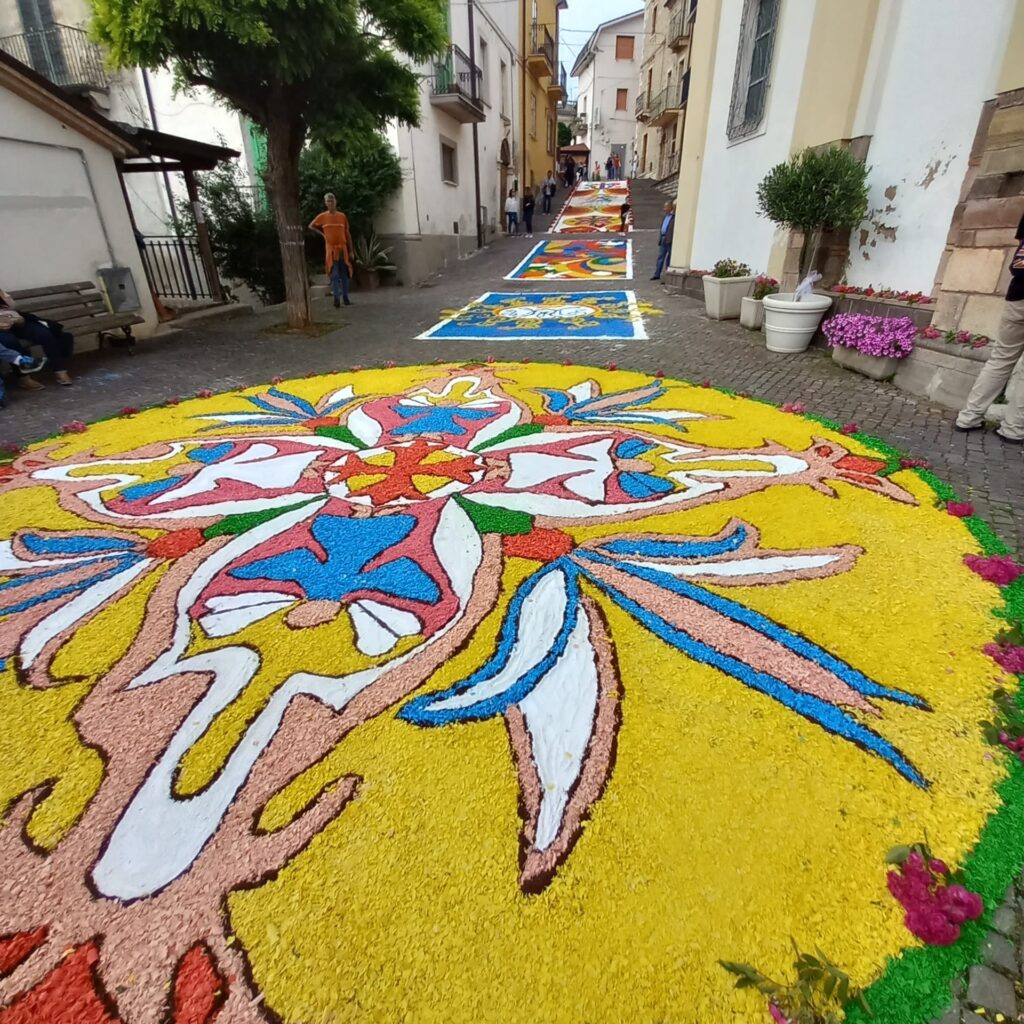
(159, 151)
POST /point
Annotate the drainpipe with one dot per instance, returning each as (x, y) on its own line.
(476, 134)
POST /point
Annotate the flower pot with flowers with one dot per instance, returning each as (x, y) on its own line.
(816, 191)
(752, 307)
(870, 345)
(724, 288)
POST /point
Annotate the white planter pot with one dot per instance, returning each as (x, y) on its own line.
(751, 313)
(789, 325)
(875, 367)
(723, 295)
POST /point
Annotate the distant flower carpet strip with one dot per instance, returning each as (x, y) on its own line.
(331, 698)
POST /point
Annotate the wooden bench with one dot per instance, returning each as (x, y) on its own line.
(82, 310)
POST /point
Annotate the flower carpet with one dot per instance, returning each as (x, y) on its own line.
(485, 693)
(594, 207)
(526, 316)
(582, 259)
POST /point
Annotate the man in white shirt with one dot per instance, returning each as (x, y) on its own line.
(512, 212)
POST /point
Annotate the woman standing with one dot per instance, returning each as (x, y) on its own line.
(529, 202)
(512, 212)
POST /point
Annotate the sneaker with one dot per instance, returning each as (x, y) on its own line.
(970, 429)
(26, 364)
(1009, 440)
(348, 302)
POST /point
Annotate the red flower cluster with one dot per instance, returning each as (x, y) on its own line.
(205, 393)
(11, 448)
(850, 428)
(173, 400)
(914, 298)
(960, 509)
(998, 569)
(74, 427)
(1009, 657)
(277, 380)
(935, 910)
(915, 464)
(793, 407)
(130, 410)
(1015, 746)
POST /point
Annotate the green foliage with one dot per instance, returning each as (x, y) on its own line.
(564, 135)
(730, 268)
(815, 191)
(817, 996)
(322, 64)
(243, 234)
(362, 171)
(372, 254)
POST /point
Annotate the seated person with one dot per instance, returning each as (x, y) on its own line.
(24, 364)
(19, 330)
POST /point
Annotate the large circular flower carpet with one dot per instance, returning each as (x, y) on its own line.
(493, 693)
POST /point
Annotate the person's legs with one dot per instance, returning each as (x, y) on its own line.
(336, 281)
(56, 345)
(344, 276)
(1004, 354)
(10, 354)
(528, 221)
(663, 254)
(1012, 427)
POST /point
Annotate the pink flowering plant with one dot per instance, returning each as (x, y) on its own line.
(963, 338)
(935, 901)
(765, 285)
(870, 292)
(818, 994)
(888, 337)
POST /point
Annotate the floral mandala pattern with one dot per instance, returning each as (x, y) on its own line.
(237, 607)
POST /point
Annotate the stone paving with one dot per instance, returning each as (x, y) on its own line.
(380, 326)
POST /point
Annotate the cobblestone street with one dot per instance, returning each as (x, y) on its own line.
(380, 326)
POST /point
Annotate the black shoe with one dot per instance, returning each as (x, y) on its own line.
(337, 304)
(655, 278)
(968, 430)
(1009, 440)
(348, 302)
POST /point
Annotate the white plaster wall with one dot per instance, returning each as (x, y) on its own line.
(599, 82)
(52, 219)
(933, 64)
(728, 224)
(428, 206)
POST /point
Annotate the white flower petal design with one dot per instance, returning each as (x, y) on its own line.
(232, 613)
(379, 628)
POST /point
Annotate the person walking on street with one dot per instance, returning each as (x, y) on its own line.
(1006, 354)
(609, 168)
(529, 202)
(635, 166)
(617, 161)
(549, 189)
(668, 222)
(512, 212)
(332, 226)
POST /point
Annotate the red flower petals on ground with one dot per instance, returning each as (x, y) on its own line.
(1008, 657)
(960, 509)
(793, 407)
(74, 427)
(999, 569)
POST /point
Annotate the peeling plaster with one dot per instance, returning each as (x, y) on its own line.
(864, 237)
(885, 231)
(890, 193)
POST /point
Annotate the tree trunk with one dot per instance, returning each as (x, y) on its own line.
(285, 137)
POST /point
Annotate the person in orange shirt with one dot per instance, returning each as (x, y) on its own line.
(332, 226)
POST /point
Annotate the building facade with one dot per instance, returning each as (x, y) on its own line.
(661, 100)
(945, 148)
(542, 87)
(608, 72)
(51, 37)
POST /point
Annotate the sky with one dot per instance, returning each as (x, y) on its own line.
(582, 17)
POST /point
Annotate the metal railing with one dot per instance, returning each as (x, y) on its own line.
(679, 27)
(641, 107)
(673, 163)
(453, 76)
(61, 53)
(563, 80)
(175, 267)
(542, 43)
(658, 105)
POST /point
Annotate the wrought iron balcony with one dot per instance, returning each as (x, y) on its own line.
(455, 87)
(664, 108)
(642, 106)
(541, 58)
(559, 89)
(679, 29)
(61, 53)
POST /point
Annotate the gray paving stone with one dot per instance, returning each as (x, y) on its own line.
(992, 991)
(1000, 952)
(1004, 920)
(951, 1016)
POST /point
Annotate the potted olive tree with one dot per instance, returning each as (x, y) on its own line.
(372, 256)
(816, 191)
(725, 287)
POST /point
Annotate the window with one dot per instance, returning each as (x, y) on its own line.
(533, 115)
(449, 163)
(624, 47)
(484, 91)
(504, 89)
(753, 67)
(621, 99)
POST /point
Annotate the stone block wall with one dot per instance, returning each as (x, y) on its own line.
(972, 279)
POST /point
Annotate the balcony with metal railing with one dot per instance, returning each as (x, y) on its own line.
(61, 53)
(643, 107)
(541, 58)
(558, 90)
(679, 29)
(455, 86)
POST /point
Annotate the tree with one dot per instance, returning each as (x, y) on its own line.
(564, 135)
(816, 191)
(323, 68)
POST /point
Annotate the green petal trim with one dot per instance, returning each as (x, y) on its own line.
(232, 526)
(524, 430)
(495, 520)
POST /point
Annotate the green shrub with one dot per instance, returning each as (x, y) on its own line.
(815, 191)
(730, 268)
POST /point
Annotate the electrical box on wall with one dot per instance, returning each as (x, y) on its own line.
(118, 287)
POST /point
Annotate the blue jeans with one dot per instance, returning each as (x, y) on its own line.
(664, 253)
(513, 223)
(547, 203)
(339, 281)
(57, 346)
